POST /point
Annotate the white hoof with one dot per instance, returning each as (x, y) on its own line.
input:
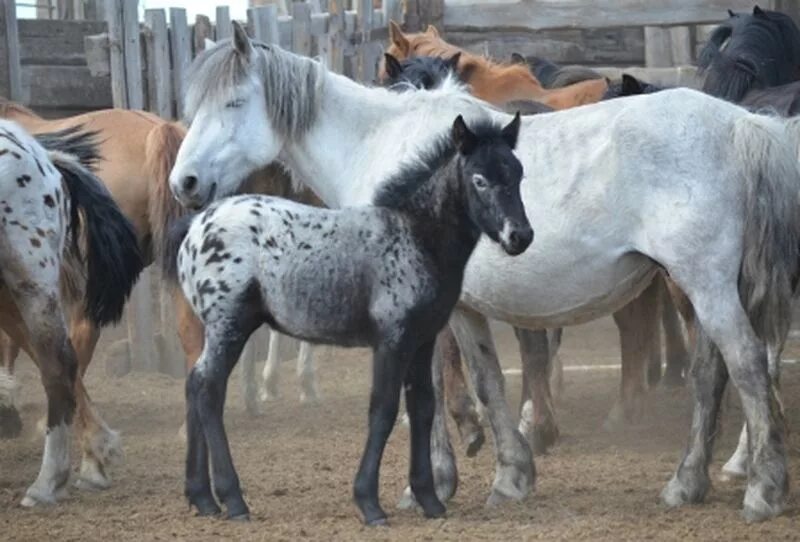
(407, 500)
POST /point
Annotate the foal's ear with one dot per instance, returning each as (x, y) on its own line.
(463, 137)
(731, 13)
(631, 86)
(511, 131)
(431, 31)
(240, 40)
(393, 67)
(517, 58)
(758, 12)
(452, 62)
(397, 37)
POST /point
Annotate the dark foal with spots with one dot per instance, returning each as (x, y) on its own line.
(385, 276)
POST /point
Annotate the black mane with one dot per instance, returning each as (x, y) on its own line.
(760, 50)
(398, 189)
(77, 141)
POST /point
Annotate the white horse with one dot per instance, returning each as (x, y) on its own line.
(615, 191)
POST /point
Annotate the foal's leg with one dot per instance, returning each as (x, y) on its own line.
(456, 391)
(271, 376)
(306, 374)
(677, 354)
(515, 472)
(388, 371)
(537, 415)
(10, 421)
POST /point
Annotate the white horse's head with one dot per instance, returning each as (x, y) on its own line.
(243, 101)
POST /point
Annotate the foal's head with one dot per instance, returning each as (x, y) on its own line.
(243, 101)
(420, 72)
(491, 176)
(628, 85)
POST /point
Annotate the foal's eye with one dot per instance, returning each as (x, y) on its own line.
(480, 181)
(233, 104)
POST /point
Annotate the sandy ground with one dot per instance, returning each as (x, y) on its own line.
(297, 462)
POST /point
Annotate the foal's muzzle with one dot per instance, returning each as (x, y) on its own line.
(515, 238)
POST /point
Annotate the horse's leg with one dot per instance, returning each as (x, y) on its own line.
(723, 318)
(456, 391)
(637, 323)
(190, 333)
(557, 367)
(537, 414)
(420, 403)
(515, 471)
(10, 421)
(677, 354)
(206, 388)
(445, 473)
(271, 376)
(306, 374)
(388, 370)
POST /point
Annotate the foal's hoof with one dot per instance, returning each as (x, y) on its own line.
(377, 522)
(206, 507)
(543, 438)
(407, 500)
(677, 493)
(10, 422)
(239, 517)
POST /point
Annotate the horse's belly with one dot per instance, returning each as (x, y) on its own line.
(549, 287)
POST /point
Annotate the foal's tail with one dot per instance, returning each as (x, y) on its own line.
(771, 177)
(161, 150)
(113, 260)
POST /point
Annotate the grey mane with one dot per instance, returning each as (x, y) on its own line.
(291, 83)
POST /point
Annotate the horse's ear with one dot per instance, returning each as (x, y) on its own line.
(511, 131)
(397, 37)
(731, 13)
(631, 86)
(393, 67)
(758, 12)
(517, 58)
(468, 67)
(463, 138)
(208, 44)
(452, 62)
(431, 31)
(240, 40)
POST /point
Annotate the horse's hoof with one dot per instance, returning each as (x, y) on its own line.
(757, 509)
(10, 423)
(239, 517)
(254, 410)
(474, 442)
(377, 522)
(88, 484)
(34, 497)
(734, 469)
(309, 399)
(543, 438)
(497, 499)
(407, 500)
(434, 510)
(678, 493)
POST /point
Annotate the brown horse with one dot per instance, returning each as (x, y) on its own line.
(492, 81)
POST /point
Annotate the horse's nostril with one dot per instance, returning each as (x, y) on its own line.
(189, 182)
(513, 238)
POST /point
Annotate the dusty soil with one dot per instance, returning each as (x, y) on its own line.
(297, 462)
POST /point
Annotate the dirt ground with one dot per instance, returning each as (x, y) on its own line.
(297, 462)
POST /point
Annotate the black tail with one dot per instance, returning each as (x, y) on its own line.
(75, 141)
(112, 256)
(177, 233)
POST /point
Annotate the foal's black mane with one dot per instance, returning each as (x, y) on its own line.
(760, 50)
(398, 189)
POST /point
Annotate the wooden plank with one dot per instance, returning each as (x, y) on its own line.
(97, 55)
(264, 23)
(119, 91)
(132, 52)
(679, 76)
(140, 325)
(301, 28)
(680, 38)
(55, 42)
(180, 47)
(159, 76)
(546, 14)
(392, 11)
(335, 58)
(202, 31)
(224, 30)
(11, 47)
(64, 87)
(657, 51)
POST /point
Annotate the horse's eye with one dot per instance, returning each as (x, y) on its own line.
(480, 181)
(233, 104)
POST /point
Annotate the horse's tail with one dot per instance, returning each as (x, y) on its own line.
(113, 260)
(172, 244)
(771, 250)
(80, 143)
(161, 150)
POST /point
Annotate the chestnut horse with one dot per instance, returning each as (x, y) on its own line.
(491, 81)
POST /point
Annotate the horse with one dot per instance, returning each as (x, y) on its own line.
(552, 75)
(602, 191)
(748, 52)
(537, 413)
(496, 83)
(385, 276)
(55, 210)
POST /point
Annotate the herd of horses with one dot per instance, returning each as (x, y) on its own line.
(666, 203)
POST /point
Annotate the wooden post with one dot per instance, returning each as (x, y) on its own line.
(202, 30)
(119, 93)
(366, 68)
(223, 28)
(11, 33)
(657, 50)
(301, 28)
(264, 23)
(681, 45)
(336, 36)
(132, 52)
(159, 76)
(181, 53)
(392, 11)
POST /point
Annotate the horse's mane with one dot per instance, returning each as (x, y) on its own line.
(77, 141)
(396, 191)
(291, 83)
(749, 51)
(7, 107)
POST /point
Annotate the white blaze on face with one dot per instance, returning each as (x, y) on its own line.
(505, 234)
